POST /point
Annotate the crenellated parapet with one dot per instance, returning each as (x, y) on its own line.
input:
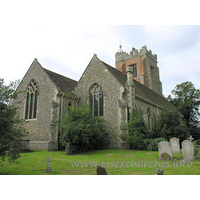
(123, 56)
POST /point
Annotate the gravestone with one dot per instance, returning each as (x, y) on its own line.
(188, 150)
(48, 169)
(159, 171)
(190, 138)
(164, 147)
(101, 170)
(175, 145)
(165, 156)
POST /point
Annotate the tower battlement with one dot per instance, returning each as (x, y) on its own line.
(123, 56)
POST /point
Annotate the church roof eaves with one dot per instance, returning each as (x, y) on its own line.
(64, 84)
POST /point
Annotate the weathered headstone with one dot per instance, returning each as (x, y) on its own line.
(159, 171)
(165, 156)
(101, 170)
(164, 147)
(188, 150)
(190, 138)
(175, 145)
(48, 169)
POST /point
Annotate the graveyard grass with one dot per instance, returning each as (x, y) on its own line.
(33, 163)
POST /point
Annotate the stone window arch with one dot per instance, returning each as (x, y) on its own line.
(70, 105)
(31, 100)
(96, 99)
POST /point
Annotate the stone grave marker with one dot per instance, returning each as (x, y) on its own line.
(188, 150)
(159, 171)
(165, 156)
(48, 169)
(175, 145)
(164, 147)
(190, 138)
(101, 170)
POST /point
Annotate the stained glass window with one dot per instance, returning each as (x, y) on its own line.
(31, 101)
(96, 100)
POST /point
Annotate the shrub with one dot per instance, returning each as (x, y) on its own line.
(82, 131)
(153, 146)
(137, 131)
(198, 142)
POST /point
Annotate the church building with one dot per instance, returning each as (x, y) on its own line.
(111, 92)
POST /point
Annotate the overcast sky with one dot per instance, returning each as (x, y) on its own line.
(64, 38)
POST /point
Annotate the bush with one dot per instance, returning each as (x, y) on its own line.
(83, 132)
(137, 132)
(152, 144)
(198, 142)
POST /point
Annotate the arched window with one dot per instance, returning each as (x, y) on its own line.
(148, 118)
(31, 101)
(70, 105)
(96, 99)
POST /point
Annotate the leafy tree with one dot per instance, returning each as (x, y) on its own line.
(82, 131)
(11, 131)
(137, 131)
(170, 124)
(186, 98)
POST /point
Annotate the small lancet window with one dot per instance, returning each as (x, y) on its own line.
(96, 99)
(70, 105)
(134, 66)
(148, 118)
(31, 101)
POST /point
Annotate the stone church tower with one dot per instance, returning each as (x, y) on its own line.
(144, 65)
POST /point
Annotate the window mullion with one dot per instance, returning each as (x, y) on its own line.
(33, 107)
(98, 104)
(29, 103)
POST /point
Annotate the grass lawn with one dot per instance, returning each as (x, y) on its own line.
(116, 162)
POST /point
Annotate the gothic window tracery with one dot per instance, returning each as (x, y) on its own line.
(96, 99)
(31, 101)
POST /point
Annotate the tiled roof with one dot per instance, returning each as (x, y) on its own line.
(141, 90)
(64, 84)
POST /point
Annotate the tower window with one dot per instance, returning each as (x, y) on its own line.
(134, 66)
(152, 72)
(96, 100)
(31, 101)
(134, 71)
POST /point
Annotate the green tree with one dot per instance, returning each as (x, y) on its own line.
(170, 124)
(11, 131)
(186, 98)
(82, 131)
(137, 131)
